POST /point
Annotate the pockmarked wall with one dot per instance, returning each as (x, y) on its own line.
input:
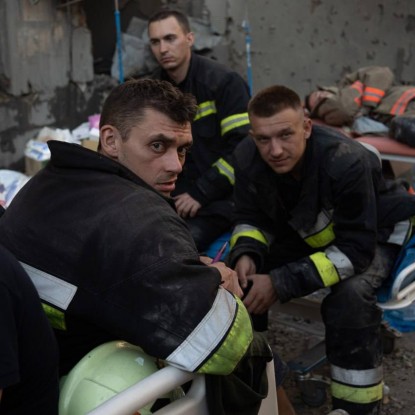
(55, 55)
(305, 43)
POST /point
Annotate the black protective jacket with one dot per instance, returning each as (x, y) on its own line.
(315, 232)
(220, 124)
(112, 260)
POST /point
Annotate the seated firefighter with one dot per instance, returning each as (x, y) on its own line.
(313, 211)
(28, 349)
(113, 258)
(203, 195)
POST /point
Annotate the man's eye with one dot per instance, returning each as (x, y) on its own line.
(158, 147)
(261, 139)
(286, 135)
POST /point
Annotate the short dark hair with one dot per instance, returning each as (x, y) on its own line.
(272, 100)
(125, 105)
(165, 13)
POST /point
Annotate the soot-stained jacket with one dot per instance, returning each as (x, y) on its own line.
(112, 260)
(317, 231)
(220, 124)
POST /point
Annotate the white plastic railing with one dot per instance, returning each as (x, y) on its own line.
(164, 381)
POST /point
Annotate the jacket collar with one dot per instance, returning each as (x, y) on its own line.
(74, 156)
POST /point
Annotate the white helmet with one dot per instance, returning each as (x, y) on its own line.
(101, 374)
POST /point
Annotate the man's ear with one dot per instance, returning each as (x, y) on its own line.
(308, 125)
(109, 136)
(190, 39)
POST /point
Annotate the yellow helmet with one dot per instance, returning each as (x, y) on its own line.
(101, 374)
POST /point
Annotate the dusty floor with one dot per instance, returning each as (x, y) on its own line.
(291, 336)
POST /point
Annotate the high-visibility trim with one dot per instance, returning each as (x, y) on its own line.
(371, 94)
(321, 233)
(400, 233)
(204, 109)
(50, 288)
(401, 103)
(365, 377)
(357, 395)
(250, 232)
(219, 341)
(225, 359)
(233, 121)
(226, 169)
(341, 261)
(56, 317)
(325, 268)
(358, 86)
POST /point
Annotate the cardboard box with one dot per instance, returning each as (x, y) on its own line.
(32, 166)
(91, 144)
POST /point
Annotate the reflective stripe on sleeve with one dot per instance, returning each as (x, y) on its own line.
(371, 94)
(233, 121)
(342, 263)
(56, 317)
(401, 103)
(321, 233)
(400, 232)
(325, 268)
(50, 288)
(250, 232)
(204, 109)
(219, 341)
(226, 169)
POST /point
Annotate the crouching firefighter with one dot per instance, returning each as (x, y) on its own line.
(314, 211)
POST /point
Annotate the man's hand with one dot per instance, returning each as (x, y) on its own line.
(229, 278)
(186, 206)
(245, 266)
(261, 295)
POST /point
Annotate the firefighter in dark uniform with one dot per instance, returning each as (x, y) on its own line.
(314, 211)
(203, 194)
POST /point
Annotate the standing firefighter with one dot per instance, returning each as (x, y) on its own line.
(314, 211)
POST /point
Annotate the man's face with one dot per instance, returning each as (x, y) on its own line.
(155, 149)
(281, 139)
(169, 44)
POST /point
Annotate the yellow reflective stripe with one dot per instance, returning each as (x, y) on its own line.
(237, 341)
(233, 121)
(205, 109)
(357, 395)
(322, 238)
(325, 268)
(254, 234)
(56, 317)
(226, 169)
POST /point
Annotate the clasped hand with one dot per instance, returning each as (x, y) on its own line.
(262, 294)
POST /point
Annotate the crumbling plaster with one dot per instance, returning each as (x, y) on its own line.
(46, 68)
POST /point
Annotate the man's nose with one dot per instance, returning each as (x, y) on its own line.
(276, 148)
(163, 46)
(173, 163)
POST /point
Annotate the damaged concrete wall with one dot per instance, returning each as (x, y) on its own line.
(314, 42)
(46, 74)
(47, 66)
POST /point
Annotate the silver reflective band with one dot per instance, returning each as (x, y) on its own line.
(342, 263)
(400, 231)
(323, 220)
(51, 289)
(357, 377)
(207, 335)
